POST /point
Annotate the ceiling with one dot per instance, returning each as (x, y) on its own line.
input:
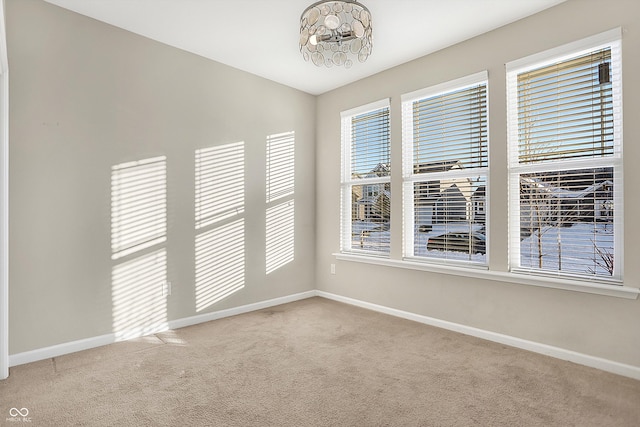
(261, 36)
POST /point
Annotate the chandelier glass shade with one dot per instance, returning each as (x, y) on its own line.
(336, 33)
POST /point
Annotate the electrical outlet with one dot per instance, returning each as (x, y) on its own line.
(166, 288)
(333, 269)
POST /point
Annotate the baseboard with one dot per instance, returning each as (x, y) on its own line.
(548, 350)
(206, 317)
(557, 352)
(60, 349)
(98, 341)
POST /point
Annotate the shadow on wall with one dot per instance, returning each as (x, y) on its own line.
(139, 230)
(220, 228)
(280, 214)
(138, 247)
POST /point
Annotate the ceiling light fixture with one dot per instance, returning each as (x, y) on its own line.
(331, 32)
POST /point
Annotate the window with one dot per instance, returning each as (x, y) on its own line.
(565, 161)
(445, 171)
(366, 179)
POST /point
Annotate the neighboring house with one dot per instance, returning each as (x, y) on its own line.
(357, 210)
(446, 200)
(372, 202)
(452, 205)
(478, 203)
(437, 201)
(427, 192)
(546, 203)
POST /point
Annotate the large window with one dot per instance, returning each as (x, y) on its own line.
(565, 161)
(445, 171)
(366, 179)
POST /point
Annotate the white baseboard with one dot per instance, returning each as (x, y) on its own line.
(557, 352)
(206, 317)
(548, 350)
(60, 349)
(88, 343)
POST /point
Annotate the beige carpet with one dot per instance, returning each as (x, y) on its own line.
(315, 363)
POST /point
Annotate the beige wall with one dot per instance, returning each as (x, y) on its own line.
(85, 96)
(592, 324)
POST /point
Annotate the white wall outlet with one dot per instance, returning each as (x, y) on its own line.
(333, 269)
(166, 289)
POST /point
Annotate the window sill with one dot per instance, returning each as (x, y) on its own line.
(618, 291)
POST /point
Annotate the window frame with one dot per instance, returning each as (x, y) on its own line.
(612, 40)
(498, 273)
(409, 177)
(347, 182)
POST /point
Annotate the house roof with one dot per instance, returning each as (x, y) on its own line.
(563, 193)
(441, 166)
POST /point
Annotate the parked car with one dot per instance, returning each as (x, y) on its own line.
(473, 242)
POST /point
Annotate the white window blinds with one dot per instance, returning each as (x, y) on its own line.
(451, 127)
(370, 144)
(565, 110)
(565, 165)
(366, 179)
(445, 145)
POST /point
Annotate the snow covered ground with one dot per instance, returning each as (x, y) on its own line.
(376, 237)
(570, 249)
(421, 239)
(567, 249)
(371, 236)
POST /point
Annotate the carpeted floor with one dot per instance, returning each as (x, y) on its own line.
(315, 363)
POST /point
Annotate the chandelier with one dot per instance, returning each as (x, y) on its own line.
(332, 32)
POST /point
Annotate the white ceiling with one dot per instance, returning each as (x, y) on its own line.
(261, 36)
